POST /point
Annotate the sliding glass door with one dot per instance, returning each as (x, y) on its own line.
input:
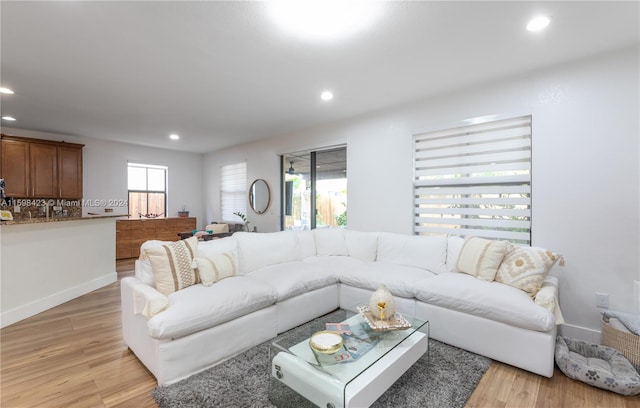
(314, 189)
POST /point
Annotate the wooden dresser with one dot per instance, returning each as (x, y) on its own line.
(131, 233)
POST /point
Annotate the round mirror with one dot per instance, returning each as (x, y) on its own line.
(259, 196)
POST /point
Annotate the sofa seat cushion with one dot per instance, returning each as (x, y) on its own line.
(291, 279)
(399, 279)
(490, 300)
(200, 307)
(334, 264)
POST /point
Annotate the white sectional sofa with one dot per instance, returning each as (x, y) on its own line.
(287, 278)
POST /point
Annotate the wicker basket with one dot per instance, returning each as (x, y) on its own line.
(626, 343)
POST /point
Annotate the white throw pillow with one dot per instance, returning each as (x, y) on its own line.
(171, 265)
(215, 268)
(330, 241)
(481, 257)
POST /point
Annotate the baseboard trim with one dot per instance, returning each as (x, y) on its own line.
(580, 333)
(14, 315)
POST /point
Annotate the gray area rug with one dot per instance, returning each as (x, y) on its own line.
(444, 377)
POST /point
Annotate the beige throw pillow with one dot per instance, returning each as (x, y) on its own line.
(525, 268)
(171, 265)
(215, 268)
(217, 228)
(481, 257)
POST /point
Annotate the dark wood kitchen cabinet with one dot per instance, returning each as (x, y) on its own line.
(34, 168)
(44, 170)
(69, 172)
(15, 168)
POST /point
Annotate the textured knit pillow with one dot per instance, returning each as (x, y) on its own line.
(214, 268)
(171, 264)
(526, 267)
(481, 257)
(217, 228)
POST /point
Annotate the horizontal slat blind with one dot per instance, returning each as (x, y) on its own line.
(475, 180)
(233, 191)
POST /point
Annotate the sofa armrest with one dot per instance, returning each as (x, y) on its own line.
(145, 299)
(547, 297)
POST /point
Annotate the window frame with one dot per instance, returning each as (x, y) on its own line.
(147, 191)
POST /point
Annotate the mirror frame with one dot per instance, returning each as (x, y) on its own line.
(252, 200)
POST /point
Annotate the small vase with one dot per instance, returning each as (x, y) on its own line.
(381, 304)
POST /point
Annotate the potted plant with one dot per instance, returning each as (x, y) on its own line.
(244, 219)
(184, 213)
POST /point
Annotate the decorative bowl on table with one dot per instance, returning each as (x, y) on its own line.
(326, 342)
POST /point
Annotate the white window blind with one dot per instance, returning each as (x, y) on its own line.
(475, 180)
(233, 191)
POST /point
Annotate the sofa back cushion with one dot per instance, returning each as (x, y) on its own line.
(330, 241)
(362, 245)
(454, 246)
(143, 269)
(215, 247)
(306, 243)
(256, 250)
(426, 252)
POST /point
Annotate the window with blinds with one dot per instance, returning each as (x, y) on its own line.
(233, 191)
(475, 180)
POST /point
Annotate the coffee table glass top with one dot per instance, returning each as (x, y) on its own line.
(362, 348)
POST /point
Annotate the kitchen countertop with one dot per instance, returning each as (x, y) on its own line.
(38, 220)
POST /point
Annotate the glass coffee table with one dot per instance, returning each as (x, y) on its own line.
(356, 375)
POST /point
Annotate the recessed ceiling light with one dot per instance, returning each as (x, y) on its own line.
(174, 136)
(9, 118)
(326, 95)
(324, 19)
(6, 91)
(538, 23)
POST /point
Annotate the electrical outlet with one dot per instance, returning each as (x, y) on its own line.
(16, 208)
(602, 300)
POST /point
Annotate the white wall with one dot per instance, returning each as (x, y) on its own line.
(585, 170)
(46, 264)
(105, 172)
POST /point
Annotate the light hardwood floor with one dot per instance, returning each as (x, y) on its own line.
(73, 356)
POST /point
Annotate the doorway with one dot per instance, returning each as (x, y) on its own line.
(314, 189)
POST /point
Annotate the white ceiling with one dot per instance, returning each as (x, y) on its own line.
(223, 73)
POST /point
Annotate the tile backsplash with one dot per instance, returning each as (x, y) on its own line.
(26, 208)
